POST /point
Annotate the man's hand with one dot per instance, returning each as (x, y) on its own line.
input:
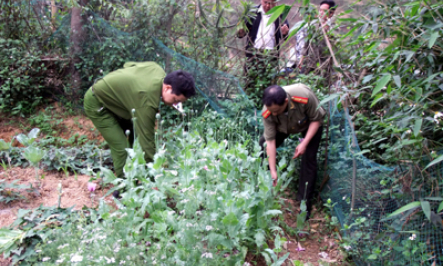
(274, 177)
(284, 29)
(299, 150)
(241, 33)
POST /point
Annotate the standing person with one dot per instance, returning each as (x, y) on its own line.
(263, 42)
(314, 52)
(134, 90)
(290, 110)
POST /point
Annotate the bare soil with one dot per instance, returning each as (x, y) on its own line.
(319, 245)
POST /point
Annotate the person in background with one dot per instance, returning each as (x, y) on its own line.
(314, 52)
(135, 90)
(290, 110)
(263, 42)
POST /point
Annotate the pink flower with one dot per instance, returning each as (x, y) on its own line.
(92, 186)
(206, 167)
(300, 248)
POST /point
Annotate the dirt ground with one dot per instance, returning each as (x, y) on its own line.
(318, 245)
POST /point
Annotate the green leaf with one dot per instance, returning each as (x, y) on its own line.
(329, 98)
(372, 257)
(272, 212)
(410, 206)
(378, 98)
(397, 81)
(418, 94)
(276, 12)
(435, 161)
(8, 238)
(33, 154)
(426, 206)
(417, 126)
(230, 219)
(381, 84)
(432, 39)
(259, 238)
(3, 145)
(440, 207)
(362, 152)
(413, 3)
(33, 134)
(282, 259)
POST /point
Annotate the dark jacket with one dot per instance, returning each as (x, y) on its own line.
(253, 26)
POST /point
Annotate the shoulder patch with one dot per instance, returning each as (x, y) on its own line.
(302, 100)
(266, 114)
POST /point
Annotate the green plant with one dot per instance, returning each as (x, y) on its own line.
(11, 191)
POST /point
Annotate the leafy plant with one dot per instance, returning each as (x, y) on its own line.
(11, 191)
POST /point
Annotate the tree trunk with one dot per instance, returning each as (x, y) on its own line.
(54, 11)
(77, 37)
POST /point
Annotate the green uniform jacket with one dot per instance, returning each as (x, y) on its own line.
(302, 109)
(137, 86)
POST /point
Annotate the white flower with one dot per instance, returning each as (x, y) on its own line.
(207, 255)
(324, 255)
(122, 262)
(209, 228)
(46, 258)
(437, 115)
(38, 251)
(346, 247)
(189, 225)
(111, 260)
(413, 237)
(76, 258)
(182, 212)
(195, 177)
(344, 197)
(408, 131)
(163, 257)
(60, 260)
(184, 201)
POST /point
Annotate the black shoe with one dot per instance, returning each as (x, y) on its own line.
(116, 194)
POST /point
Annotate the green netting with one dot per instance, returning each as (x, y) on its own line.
(379, 191)
(101, 38)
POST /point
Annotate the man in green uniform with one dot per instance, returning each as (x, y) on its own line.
(289, 110)
(137, 87)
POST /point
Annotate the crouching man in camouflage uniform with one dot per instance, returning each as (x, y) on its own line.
(289, 110)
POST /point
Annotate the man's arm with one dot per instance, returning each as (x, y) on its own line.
(312, 129)
(271, 151)
(145, 130)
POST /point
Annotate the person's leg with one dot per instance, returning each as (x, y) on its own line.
(308, 169)
(127, 125)
(107, 125)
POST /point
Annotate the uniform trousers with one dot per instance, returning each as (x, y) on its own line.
(112, 129)
(308, 168)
